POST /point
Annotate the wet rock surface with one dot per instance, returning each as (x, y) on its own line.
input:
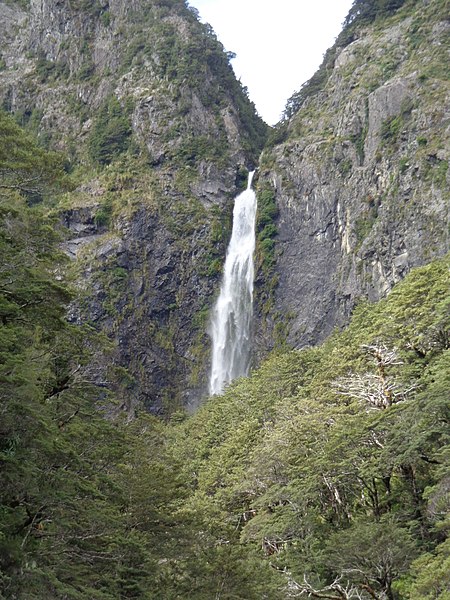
(146, 236)
(361, 183)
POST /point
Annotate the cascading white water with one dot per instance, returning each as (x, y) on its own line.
(231, 319)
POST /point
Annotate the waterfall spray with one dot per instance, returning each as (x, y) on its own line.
(231, 320)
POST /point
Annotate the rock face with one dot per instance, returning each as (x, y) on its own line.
(63, 61)
(142, 99)
(159, 136)
(361, 180)
(146, 288)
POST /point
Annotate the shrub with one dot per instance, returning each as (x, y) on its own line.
(390, 128)
(110, 135)
(266, 228)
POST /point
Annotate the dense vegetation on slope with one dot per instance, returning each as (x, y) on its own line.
(84, 503)
(332, 462)
(323, 474)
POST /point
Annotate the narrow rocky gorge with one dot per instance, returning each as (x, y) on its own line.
(318, 471)
(159, 138)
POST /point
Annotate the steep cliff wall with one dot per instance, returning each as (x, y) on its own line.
(353, 187)
(360, 178)
(158, 134)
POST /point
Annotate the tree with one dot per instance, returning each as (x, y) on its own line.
(431, 572)
(24, 166)
(371, 556)
(110, 135)
(379, 389)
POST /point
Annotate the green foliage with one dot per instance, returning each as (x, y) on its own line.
(431, 573)
(366, 11)
(293, 479)
(312, 86)
(24, 166)
(440, 173)
(220, 229)
(403, 164)
(88, 506)
(266, 230)
(309, 472)
(105, 18)
(47, 70)
(86, 70)
(22, 3)
(254, 128)
(92, 7)
(363, 226)
(102, 217)
(277, 134)
(376, 553)
(53, 489)
(198, 148)
(267, 208)
(390, 128)
(197, 62)
(359, 140)
(214, 267)
(345, 167)
(110, 134)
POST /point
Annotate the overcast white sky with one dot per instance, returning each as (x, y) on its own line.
(279, 43)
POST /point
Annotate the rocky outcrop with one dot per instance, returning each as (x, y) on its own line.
(146, 288)
(159, 134)
(63, 61)
(361, 181)
(141, 95)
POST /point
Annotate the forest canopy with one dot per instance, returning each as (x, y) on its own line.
(298, 481)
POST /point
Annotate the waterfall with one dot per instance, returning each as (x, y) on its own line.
(231, 320)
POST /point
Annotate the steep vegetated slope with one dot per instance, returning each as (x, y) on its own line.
(59, 503)
(332, 462)
(356, 179)
(324, 474)
(142, 99)
(90, 507)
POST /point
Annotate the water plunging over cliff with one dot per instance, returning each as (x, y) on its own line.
(232, 314)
